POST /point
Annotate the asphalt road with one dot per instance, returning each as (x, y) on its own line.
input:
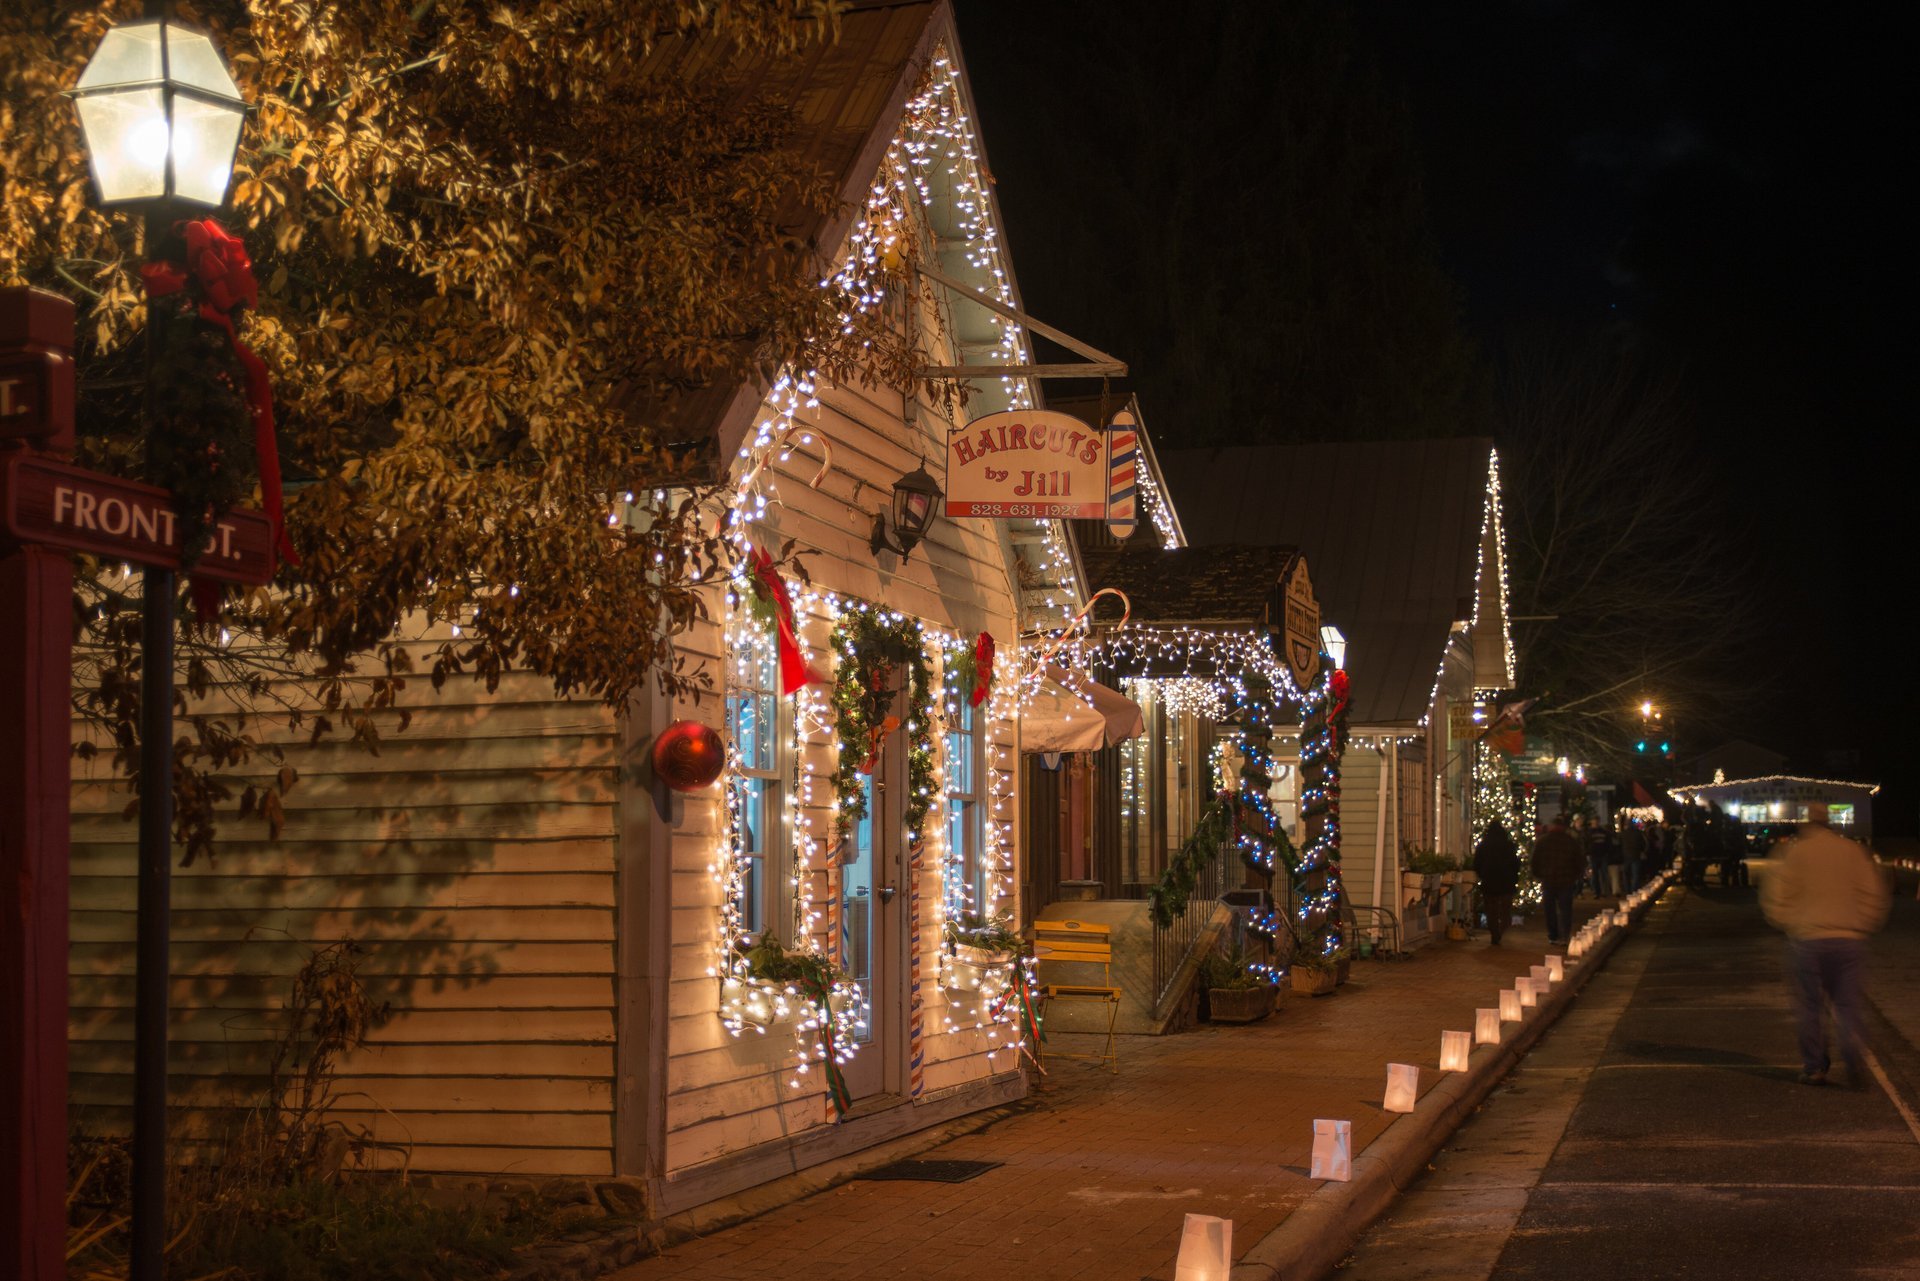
(1658, 1131)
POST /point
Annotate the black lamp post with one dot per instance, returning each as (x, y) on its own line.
(161, 116)
(916, 501)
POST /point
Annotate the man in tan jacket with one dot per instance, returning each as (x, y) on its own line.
(1826, 892)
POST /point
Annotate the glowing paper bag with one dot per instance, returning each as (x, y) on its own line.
(1455, 1047)
(1486, 1027)
(1403, 1087)
(1332, 1151)
(1206, 1249)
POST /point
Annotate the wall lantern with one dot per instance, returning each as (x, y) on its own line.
(916, 497)
(1334, 641)
(161, 115)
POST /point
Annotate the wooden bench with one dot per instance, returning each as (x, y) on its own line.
(1079, 944)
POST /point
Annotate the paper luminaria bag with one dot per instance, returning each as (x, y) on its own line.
(1510, 1006)
(1556, 968)
(1332, 1151)
(1403, 1087)
(1529, 994)
(1486, 1027)
(1541, 976)
(1206, 1249)
(1456, 1047)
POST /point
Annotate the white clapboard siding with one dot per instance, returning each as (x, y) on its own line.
(472, 857)
(727, 1095)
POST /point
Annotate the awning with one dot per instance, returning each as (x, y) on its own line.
(1072, 713)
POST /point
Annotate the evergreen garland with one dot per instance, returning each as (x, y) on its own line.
(874, 645)
(201, 442)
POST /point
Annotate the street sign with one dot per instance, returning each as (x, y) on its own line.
(1027, 462)
(60, 505)
(36, 368)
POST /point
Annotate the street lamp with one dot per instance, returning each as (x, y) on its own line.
(161, 116)
(1334, 641)
(916, 495)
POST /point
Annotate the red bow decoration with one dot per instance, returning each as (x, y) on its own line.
(982, 670)
(223, 272)
(795, 671)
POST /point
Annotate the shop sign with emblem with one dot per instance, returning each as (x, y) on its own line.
(1300, 626)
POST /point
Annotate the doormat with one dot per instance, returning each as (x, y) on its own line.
(932, 1171)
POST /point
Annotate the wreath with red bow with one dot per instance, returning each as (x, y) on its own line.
(212, 429)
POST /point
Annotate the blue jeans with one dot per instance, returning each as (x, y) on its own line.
(1559, 904)
(1597, 864)
(1821, 970)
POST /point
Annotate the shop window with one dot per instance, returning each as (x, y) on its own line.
(1753, 813)
(1840, 815)
(753, 727)
(966, 834)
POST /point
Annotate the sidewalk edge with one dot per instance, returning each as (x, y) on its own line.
(1324, 1227)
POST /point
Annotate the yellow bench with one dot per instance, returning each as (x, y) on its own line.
(1079, 943)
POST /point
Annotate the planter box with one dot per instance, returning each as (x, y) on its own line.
(974, 971)
(1241, 1004)
(1312, 982)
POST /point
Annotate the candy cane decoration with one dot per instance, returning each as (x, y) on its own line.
(1081, 618)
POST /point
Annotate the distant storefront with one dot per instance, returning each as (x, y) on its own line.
(1786, 798)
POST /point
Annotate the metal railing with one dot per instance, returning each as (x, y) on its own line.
(1172, 943)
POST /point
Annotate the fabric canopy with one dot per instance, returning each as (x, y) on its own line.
(1072, 713)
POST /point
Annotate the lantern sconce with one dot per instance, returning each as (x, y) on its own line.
(161, 115)
(916, 498)
(1334, 642)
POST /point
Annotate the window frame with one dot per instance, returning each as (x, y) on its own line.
(965, 723)
(762, 884)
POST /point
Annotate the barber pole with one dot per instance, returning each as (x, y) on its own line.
(1123, 453)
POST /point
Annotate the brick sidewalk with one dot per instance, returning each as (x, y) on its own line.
(1099, 1170)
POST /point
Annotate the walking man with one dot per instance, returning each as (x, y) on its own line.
(1633, 853)
(1558, 865)
(1496, 860)
(1826, 893)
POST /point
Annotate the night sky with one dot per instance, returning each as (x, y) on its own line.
(1711, 179)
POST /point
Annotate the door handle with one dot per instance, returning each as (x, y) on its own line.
(886, 893)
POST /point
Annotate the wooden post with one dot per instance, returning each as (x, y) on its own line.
(36, 616)
(36, 630)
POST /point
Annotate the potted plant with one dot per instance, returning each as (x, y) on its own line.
(980, 955)
(1315, 974)
(1236, 992)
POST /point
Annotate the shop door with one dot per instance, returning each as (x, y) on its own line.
(873, 923)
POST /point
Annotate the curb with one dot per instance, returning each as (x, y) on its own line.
(1324, 1227)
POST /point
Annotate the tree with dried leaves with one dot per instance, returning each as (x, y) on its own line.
(501, 248)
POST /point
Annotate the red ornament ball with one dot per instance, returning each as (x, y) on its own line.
(688, 756)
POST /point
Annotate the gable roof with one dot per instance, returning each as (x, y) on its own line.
(1206, 586)
(1391, 528)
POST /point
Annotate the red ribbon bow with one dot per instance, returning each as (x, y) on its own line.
(982, 669)
(795, 671)
(221, 268)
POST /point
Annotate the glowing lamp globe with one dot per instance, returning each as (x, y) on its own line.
(688, 756)
(161, 115)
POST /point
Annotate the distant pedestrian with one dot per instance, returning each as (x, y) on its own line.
(1496, 861)
(1594, 846)
(1633, 854)
(1827, 894)
(1557, 865)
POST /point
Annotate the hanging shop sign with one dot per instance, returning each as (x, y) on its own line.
(1027, 462)
(59, 505)
(1300, 625)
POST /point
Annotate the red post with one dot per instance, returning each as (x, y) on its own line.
(36, 621)
(36, 615)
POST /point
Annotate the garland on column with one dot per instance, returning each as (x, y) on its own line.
(1323, 740)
